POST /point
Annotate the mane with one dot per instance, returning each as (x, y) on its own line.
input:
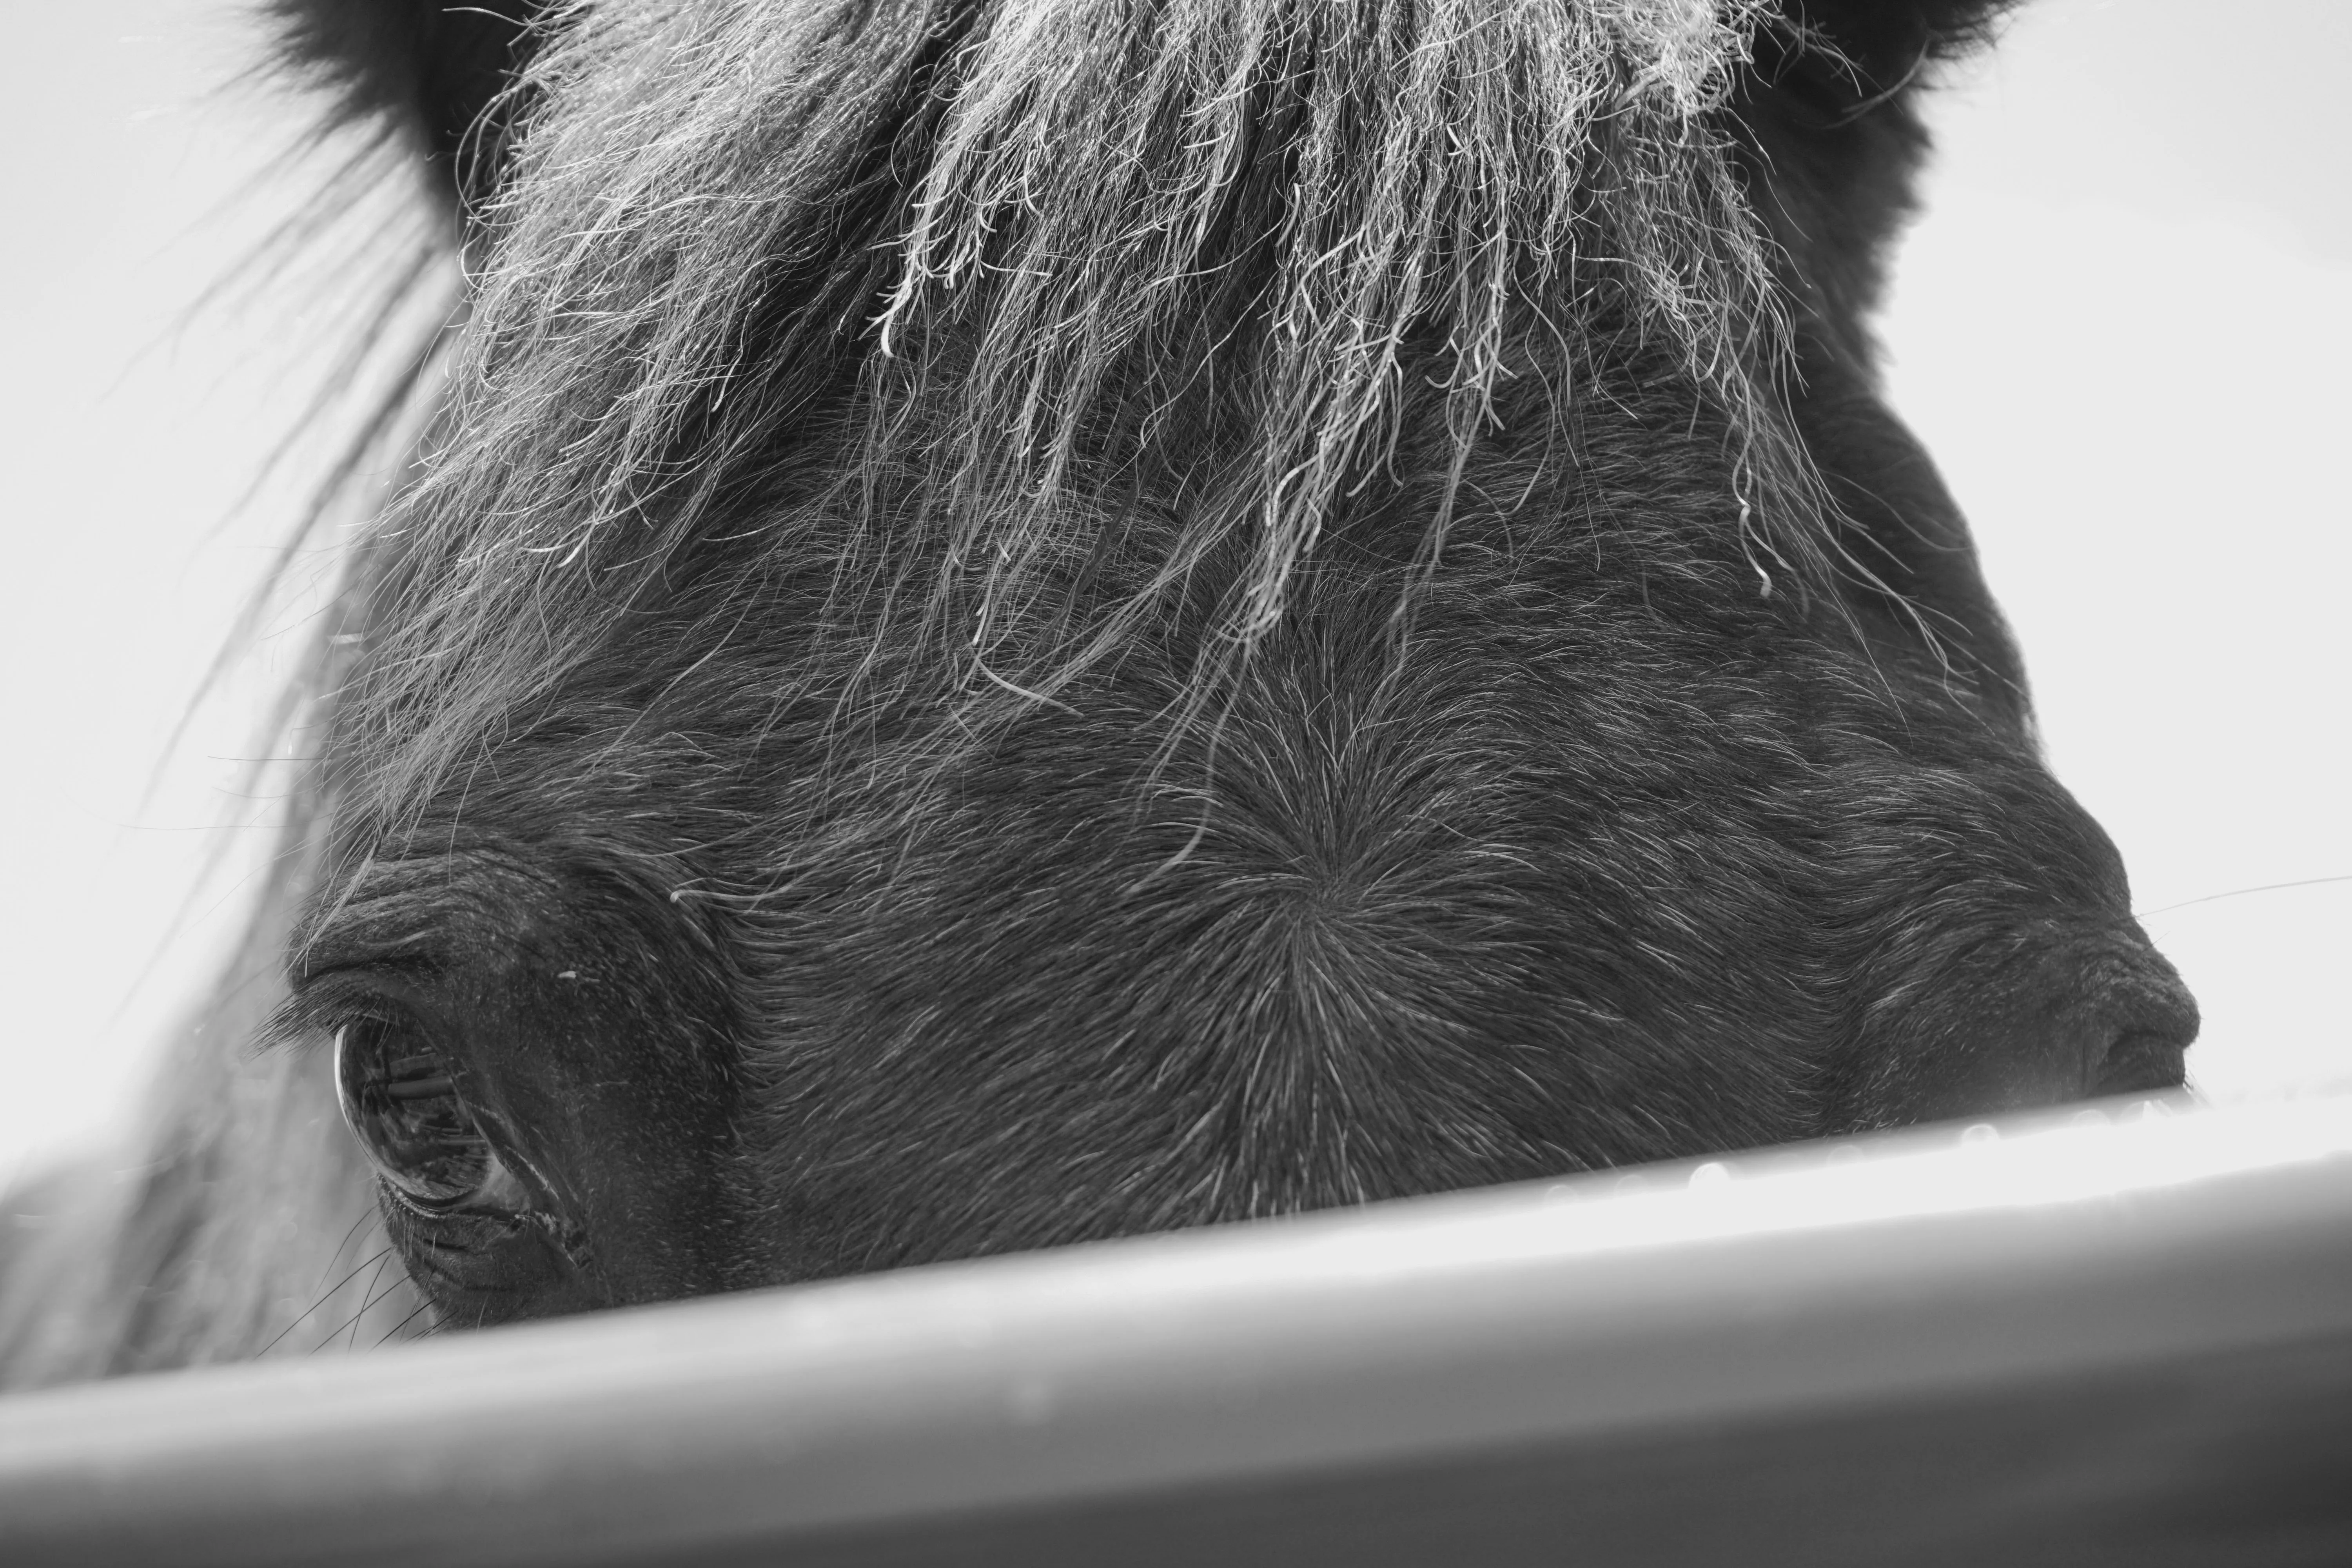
(973, 263)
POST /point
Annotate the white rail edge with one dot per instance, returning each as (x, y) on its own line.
(1784, 1290)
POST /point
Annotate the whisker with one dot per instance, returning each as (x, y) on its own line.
(390, 1333)
(370, 1305)
(2241, 892)
(336, 1256)
(367, 1300)
(328, 1296)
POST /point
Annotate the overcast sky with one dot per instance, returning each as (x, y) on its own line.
(2122, 330)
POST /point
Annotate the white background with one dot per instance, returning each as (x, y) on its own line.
(2123, 328)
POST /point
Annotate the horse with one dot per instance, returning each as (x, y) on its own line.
(1021, 621)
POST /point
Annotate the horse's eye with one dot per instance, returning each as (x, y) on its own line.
(403, 1104)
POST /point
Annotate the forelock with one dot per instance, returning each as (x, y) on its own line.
(1021, 231)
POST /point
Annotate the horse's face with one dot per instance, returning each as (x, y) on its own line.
(798, 808)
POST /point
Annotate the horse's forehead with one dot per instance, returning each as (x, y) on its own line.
(865, 430)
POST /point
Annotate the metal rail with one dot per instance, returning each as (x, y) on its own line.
(2120, 1335)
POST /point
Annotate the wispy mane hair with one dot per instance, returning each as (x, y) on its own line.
(991, 261)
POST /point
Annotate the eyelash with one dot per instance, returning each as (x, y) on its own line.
(323, 1004)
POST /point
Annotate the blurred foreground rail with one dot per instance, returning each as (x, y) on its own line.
(2119, 1335)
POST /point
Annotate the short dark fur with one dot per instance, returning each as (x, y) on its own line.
(1033, 621)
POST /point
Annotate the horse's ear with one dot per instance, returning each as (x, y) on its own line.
(1887, 41)
(433, 71)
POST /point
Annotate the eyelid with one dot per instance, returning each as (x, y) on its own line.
(368, 944)
(324, 1000)
(391, 917)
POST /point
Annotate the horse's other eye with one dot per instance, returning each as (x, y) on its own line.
(401, 1103)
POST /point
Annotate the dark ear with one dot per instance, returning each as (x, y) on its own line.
(432, 70)
(1888, 41)
(1826, 118)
